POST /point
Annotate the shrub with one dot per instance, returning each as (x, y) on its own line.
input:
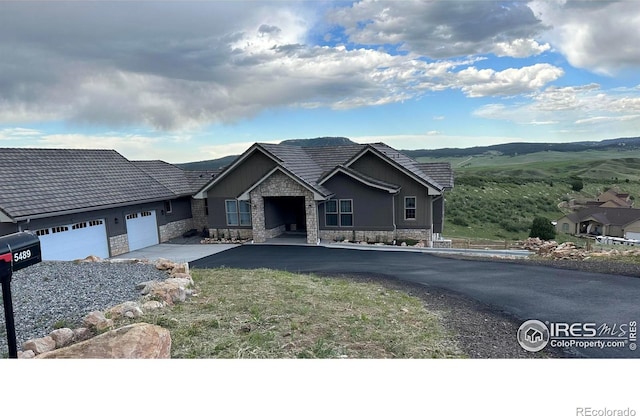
(577, 184)
(542, 228)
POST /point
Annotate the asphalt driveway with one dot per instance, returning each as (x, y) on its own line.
(521, 291)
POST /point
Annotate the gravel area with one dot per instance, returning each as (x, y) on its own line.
(51, 293)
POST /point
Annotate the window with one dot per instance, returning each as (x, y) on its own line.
(565, 227)
(339, 213)
(206, 206)
(331, 213)
(167, 207)
(245, 212)
(409, 207)
(238, 212)
(231, 207)
(346, 213)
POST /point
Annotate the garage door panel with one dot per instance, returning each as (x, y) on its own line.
(632, 235)
(74, 241)
(142, 230)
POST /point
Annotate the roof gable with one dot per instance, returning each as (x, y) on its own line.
(362, 178)
(38, 182)
(401, 162)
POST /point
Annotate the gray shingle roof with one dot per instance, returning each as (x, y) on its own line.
(179, 181)
(42, 181)
(362, 177)
(312, 164)
(607, 216)
(441, 172)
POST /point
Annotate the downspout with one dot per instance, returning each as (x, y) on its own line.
(318, 221)
(393, 210)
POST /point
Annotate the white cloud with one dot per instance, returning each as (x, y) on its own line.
(520, 48)
(513, 81)
(600, 36)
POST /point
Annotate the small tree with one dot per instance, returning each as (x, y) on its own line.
(543, 229)
(577, 184)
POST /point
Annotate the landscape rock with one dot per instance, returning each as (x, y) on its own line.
(40, 345)
(96, 320)
(170, 291)
(152, 305)
(164, 264)
(134, 341)
(81, 334)
(26, 354)
(128, 309)
(62, 337)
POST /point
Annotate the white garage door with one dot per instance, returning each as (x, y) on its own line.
(142, 230)
(74, 241)
(632, 236)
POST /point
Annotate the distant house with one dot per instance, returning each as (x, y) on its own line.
(613, 199)
(364, 192)
(82, 202)
(614, 222)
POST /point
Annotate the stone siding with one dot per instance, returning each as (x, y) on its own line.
(229, 233)
(276, 185)
(274, 232)
(118, 244)
(175, 229)
(442, 244)
(200, 220)
(376, 236)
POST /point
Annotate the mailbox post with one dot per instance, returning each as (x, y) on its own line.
(17, 251)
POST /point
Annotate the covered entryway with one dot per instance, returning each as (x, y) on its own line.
(285, 213)
(74, 241)
(142, 230)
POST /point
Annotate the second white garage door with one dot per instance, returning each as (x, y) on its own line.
(632, 236)
(142, 230)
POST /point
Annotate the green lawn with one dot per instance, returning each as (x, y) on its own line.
(274, 314)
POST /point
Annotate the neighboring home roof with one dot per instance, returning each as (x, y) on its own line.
(179, 181)
(311, 165)
(607, 216)
(40, 182)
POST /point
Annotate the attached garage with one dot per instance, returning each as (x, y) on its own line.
(632, 236)
(74, 241)
(142, 230)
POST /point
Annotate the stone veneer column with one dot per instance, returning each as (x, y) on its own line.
(280, 184)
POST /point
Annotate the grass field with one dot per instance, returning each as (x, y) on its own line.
(497, 196)
(274, 314)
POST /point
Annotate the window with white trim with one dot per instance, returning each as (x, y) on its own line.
(238, 212)
(339, 213)
(168, 207)
(409, 207)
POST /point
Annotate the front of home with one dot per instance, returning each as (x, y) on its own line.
(93, 202)
(356, 192)
(595, 221)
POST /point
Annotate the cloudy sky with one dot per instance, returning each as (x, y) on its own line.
(184, 81)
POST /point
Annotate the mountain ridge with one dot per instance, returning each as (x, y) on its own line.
(510, 149)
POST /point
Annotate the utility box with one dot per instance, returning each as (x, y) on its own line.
(20, 250)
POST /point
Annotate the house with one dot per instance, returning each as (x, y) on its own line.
(357, 192)
(82, 202)
(613, 222)
(613, 199)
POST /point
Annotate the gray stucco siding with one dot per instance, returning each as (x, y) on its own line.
(180, 210)
(8, 228)
(372, 207)
(218, 213)
(242, 176)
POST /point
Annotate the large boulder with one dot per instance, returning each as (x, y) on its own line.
(40, 345)
(139, 340)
